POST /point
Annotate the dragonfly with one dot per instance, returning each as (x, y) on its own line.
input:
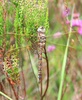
(39, 46)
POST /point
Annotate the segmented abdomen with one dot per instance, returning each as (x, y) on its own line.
(41, 44)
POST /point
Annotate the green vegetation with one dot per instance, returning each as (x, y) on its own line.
(19, 21)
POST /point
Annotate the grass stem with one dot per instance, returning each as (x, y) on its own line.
(65, 59)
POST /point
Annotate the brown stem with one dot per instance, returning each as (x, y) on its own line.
(22, 72)
(12, 87)
(24, 83)
(47, 85)
(41, 89)
(2, 88)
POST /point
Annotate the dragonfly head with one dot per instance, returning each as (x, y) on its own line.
(41, 29)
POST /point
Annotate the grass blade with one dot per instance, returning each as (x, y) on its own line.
(5, 96)
(64, 60)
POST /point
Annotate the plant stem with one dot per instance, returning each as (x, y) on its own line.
(5, 96)
(64, 60)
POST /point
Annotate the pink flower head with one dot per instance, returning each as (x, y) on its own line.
(76, 15)
(67, 22)
(51, 48)
(80, 23)
(80, 30)
(57, 35)
(66, 12)
(76, 22)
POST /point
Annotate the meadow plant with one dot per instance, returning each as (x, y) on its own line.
(51, 48)
(1, 22)
(57, 35)
(76, 22)
(19, 21)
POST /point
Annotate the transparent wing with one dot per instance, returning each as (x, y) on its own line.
(55, 58)
(19, 56)
(28, 61)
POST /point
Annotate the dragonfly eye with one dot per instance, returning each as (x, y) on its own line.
(41, 29)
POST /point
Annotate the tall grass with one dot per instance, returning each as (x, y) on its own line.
(5, 96)
(65, 59)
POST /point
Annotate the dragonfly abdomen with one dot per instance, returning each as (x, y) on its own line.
(41, 45)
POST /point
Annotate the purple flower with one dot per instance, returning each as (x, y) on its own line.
(51, 48)
(80, 30)
(77, 22)
(80, 23)
(57, 35)
(66, 12)
(67, 22)
(76, 15)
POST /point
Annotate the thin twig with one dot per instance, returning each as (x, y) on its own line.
(47, 74)
(64, 60)
(12, 87)
(24, 82)
(5, 96)
(22, 72)
(32, 66)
